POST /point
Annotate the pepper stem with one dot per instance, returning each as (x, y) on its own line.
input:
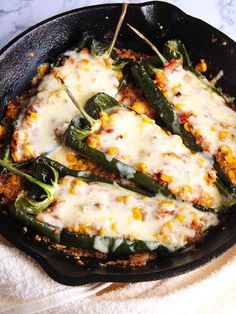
(48, 188)
(118, 27)
(75, 102)
(154, 48)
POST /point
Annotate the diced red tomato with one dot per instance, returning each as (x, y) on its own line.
(184, 117)
(109, 130)
(171, 65)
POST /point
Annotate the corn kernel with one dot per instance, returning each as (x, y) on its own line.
(208, 200)
(14, 179)
(233, 162)
(58, 93)
(166, 178)
(114, 227)
(78, 181)
(71, 158)
(168, 133)
(198, 132)
(120, 199)
(15, 156)
(195, 217)
(187, 126)
(1, 130)
(102, 232)
(142, 167)
(112, 151)
(179, 106)
(211, 176)
(140, 107)
(169, 224)
(83, 228)
(201, 161)
(137, 214)
(123, 199)
(170, 155)
(176, 87)
(224, 149)
(125, 157)
(27, 149)
(57, 74)
(186, 188)
(93, 140)
(33, 116)
(107, 124)
(81, 165)
(119, 75)
(146, 119)
(85, 61)
(232, 175)
(43, 69)
(180, 218)
(73, 190)
(201, 66)
(165, 202)
(103, 115)
(223, 135)
(213, 128)
(229, 158)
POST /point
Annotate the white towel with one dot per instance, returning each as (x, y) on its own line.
(25, 288)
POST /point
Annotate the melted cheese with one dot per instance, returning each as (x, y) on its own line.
(137, 141)
(215, 122)
(105, 210)
(85, 75)
(61, 154)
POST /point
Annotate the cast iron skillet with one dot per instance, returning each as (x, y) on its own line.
(159, 21)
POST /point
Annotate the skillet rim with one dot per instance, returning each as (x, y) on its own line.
(12, 41)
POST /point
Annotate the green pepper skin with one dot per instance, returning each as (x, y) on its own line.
(175, 49)
(224, 178)
(162, 106)
(100, 102)
(26, 203)
(112, 165)
(86, 175)
(97, 48)
(72, 139)
(84, 241)
(50, 231)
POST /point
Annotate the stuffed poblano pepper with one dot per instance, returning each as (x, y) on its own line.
(134, 147)
(87, 70)
(99, 216)
(180, 93)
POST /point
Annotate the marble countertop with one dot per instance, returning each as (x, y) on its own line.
(18, 15)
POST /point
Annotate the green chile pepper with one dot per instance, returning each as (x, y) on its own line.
(86, 241)
(24, 202)
(162, 106)
(88, 176)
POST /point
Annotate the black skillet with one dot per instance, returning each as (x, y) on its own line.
(159, 21)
